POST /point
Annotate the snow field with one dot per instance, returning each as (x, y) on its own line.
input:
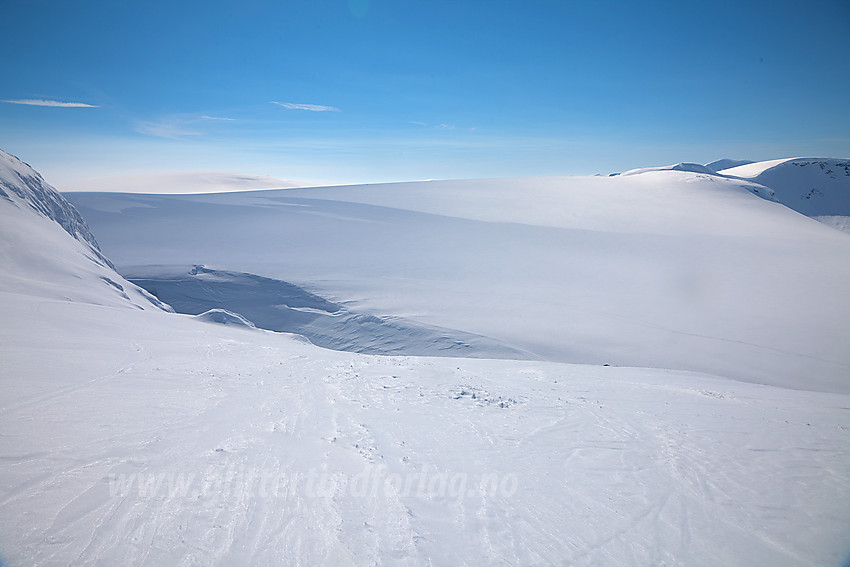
(129, 435)
(664, 269)
(156, 439)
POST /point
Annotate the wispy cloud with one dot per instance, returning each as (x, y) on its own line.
(169, 130)
(54, 103)
(311, 107)
(442, 126)
(205, 117)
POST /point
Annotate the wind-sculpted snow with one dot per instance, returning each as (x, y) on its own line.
(224, 317)
(276, 305)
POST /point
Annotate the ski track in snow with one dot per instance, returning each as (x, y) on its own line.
(247, 447)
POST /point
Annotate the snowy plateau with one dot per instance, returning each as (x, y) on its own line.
(650, 368)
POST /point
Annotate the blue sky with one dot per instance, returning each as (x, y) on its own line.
(379, 90)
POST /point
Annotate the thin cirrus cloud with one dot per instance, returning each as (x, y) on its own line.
(310, 107)
(205, 117)
(53, 103)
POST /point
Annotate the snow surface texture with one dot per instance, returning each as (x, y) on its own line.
(144, 437)
(663, 269)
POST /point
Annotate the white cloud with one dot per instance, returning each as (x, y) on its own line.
(311, 107)
(205, 117)
(55, 103)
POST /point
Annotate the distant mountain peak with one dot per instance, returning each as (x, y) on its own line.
(816, 187)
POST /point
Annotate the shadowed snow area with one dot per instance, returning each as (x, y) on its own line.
(280, 306)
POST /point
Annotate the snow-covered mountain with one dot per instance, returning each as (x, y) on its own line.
(138, 436)
(816, 187)
(48, 247)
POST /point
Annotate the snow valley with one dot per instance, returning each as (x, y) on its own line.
(649, 368)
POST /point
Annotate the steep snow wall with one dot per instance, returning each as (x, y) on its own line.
(48, 249)
(21, 185)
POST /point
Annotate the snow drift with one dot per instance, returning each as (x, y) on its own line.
(281, 306)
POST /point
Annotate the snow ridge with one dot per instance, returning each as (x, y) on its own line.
(49, 250)
(20, 184)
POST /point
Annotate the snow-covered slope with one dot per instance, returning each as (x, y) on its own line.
(664, 269)
(815, 187)
(141, 437)
(47, 248)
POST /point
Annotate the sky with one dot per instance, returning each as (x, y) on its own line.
(354, 91)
